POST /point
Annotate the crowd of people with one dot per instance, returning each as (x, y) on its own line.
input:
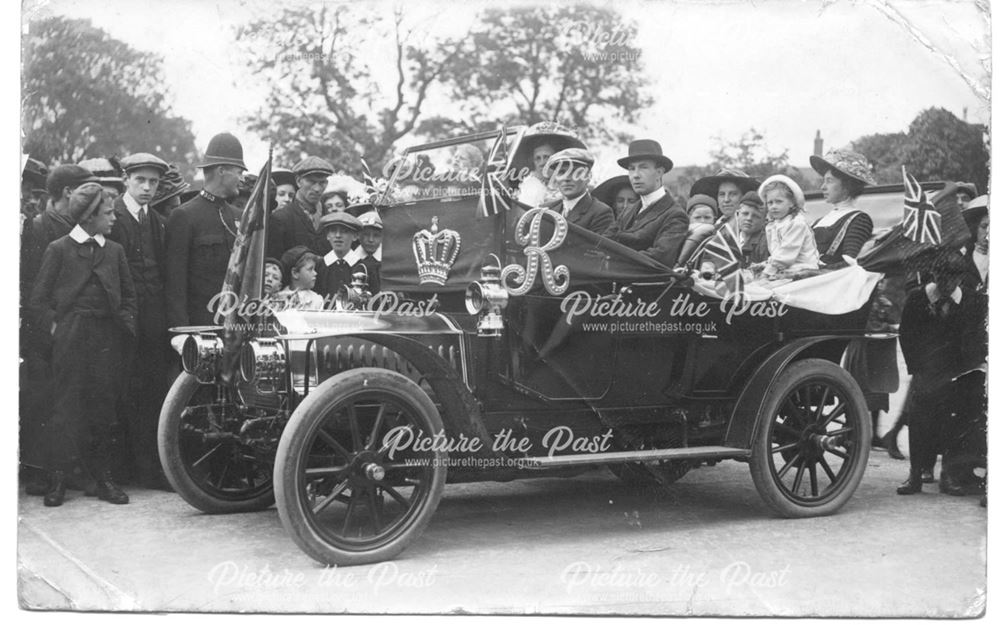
(115, 253)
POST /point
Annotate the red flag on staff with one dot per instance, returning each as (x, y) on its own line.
(244, 276)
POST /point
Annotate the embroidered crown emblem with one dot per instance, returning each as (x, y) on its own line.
(435, 253)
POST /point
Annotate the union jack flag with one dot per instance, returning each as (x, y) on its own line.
(921, 222)
(494, 195)
(244, 275)
(723, 249)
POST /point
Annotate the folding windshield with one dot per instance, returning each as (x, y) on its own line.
(452, 168)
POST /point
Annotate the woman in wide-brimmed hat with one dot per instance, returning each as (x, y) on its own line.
(727, 186)
(843, 230)
(977, 217)
(539, 142)
(617, 192)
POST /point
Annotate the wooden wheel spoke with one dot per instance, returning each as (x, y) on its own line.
(324, 471)
(328, 438)
(206, 455)
(795, 459)
(334, 494)
(813, 482)
(784, 428)
(778, 450)
(840, 432)
(838, 453)
(837, 411)
(373, 437)
(821, 404)
(826, 467)
(352, 419)
(398, 497)
(350, 510)
(374, 501)
(797, 482)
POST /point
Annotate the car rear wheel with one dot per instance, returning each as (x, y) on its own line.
(812, 447)
(346, 493)
(203, 453)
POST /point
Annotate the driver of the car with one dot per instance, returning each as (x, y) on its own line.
(569, 171)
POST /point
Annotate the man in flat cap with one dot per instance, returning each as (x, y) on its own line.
(200, 236)
(341, 230)
(569, 172)
(141, 231)
(298, 222)
(657, 227)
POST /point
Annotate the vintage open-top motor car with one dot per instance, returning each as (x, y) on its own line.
(508, 343)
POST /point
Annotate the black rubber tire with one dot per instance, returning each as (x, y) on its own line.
(173, 453)
(802, 451)
(302, 439)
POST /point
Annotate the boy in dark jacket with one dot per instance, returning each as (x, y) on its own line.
(85, 297)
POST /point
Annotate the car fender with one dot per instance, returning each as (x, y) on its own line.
(746, 418)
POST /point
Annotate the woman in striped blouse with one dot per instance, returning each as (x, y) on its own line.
(846, 228)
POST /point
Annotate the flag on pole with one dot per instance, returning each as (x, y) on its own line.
(244, 275)
(921, 222)
(723, 249)
(494, 196)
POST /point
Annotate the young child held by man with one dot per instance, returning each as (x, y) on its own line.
(300, 266)
(85, 297)
(790, 240)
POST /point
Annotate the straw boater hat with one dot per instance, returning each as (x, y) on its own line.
(550, 133)
(968, 188)
(646, 149)
(846, 162)
(223, 149)
(106, 170)
(709, 185)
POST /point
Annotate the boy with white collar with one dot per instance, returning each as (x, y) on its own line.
(84, 294)
(369, 251)
(341, 231)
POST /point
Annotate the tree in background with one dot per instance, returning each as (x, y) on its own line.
(570, 64)
(937, 146)
(516, 66)
(324, 96)
(87, 95)
(750, 154)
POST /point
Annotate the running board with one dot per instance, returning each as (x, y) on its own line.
(707, 452)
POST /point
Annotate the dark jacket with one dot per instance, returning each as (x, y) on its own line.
(66, 269)
(198, 245)
(589, 213)
(329, 278)
(35, 238)
(939, 348)
(126, 233)
(755, 248)
(658, 232)
(291, 226)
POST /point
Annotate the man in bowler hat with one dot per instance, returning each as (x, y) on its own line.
(141, 231)
(200, 236)
(297, 223)
(657, 227)
(569, 171)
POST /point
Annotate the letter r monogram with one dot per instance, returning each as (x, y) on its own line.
(528, 233)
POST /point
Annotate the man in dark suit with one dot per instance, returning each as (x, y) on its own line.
(943, 338)
(200, 236)
(141, 231)
(297, 223)
(658, 226)
(569, 171)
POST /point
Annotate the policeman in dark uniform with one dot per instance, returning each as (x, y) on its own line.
(200, 235)
(341, 230)
(298, 222)
(141, 231)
